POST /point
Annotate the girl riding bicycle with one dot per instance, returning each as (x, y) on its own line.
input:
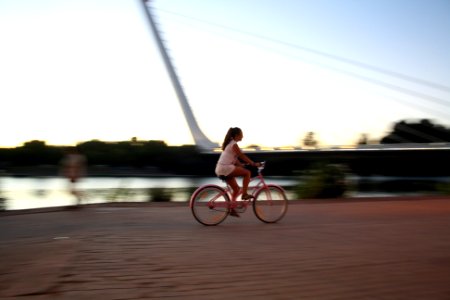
(229, 165)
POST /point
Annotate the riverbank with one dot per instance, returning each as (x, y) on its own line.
(113, 205)
(52, 191)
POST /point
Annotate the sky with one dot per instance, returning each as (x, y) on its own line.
(74, 71)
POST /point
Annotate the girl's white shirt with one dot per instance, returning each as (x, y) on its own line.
(228, 156)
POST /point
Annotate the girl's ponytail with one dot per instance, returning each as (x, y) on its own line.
(232, 132)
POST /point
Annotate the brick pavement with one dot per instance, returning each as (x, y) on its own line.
(321, 250)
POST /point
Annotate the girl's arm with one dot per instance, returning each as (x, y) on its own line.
(242, 156)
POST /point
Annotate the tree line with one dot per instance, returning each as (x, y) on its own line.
(131, 154)
(188, 160)
(423, 131)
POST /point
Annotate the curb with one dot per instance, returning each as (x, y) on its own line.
(6, 213)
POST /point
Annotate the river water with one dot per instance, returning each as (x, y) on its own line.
(37, 192)
(32, 192)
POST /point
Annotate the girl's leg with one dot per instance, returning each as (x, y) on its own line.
(234, 186)
(239, 171)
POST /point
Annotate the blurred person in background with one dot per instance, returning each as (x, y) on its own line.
(73, 167)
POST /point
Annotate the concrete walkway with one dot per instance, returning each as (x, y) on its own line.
(341, 249)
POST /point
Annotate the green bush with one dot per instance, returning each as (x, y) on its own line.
(443, 188)
(160, 195)
(322, 181)
(2, 203)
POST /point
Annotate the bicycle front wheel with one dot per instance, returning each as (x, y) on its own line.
(209, 205)
(270, 204)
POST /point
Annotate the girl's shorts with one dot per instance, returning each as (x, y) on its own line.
(224, 170)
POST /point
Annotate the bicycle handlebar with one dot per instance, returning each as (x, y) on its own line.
(262, 166)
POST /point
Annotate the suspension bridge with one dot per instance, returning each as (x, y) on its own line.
(436, 149)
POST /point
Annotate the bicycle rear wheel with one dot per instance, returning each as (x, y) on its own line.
(270, 204)
(209, 205)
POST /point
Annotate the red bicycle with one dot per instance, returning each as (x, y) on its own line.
(211, 204)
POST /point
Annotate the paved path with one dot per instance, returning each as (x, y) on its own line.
(320, 250)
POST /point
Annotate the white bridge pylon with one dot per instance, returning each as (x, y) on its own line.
(201, 140)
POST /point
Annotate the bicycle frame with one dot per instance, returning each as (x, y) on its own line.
(253, 188)
(228, 190)
(211, 204)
